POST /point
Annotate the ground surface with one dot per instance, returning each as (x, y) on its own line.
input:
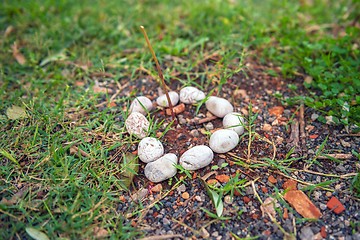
(69, 70)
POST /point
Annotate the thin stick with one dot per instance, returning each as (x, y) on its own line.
(159, 71)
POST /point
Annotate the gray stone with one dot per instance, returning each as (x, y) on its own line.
(306, 233)
(196, 157)
(161, 169)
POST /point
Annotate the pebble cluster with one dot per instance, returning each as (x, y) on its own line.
(151, 151)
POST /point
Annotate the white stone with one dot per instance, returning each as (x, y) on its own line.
(163, 102)
(196, 157)
(234, 121)
(219, 106)
(190, 95)
(137, 124)
(223, 140)
(150, 149)
(141, 104)
(162, 168)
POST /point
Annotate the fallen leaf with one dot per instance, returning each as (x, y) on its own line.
(130, 167)
(335, 205)
(19, 57)
(277, 111)
(100, 232)
(268, 207)
(223, 178)
(8, 31)
(36, 234)
(53, 58)
(16, 112)
(302, 204)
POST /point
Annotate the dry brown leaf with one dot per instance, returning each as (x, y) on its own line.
(19, 57)
(268, 207)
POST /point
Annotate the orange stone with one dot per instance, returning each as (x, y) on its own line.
(277, 111)
(177, 109)
(223, 178)
(212, 181)
(286, 213)
(185, 195)
(335, 205)
(302, 204)
(157, 188)
(314, 136)
(290, 185)
(272, 179)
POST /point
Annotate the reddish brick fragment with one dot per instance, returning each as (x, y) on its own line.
(272, 179)
(302, 204)
(335, 205)
(246, 199)
(323, 232)
(223, 178)
(286, 213)
(290, 185)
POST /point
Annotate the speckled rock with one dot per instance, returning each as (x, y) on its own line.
(234, 121)
(191, 95)
(196, 157)
(162, 168)
(150, 149)
(163, 102)
(219, 106)
(137, 124)
(223, 140)
(141, 104)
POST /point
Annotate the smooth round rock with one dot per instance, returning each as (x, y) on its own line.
(191, 95)
(234, 121)
(150, 149)
(137, 124)
(219, 106)
(163, 102)
(141, 104)
(196, 157)
(162, 168)
(223, 140)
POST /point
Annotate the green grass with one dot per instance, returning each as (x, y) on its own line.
(70, 194)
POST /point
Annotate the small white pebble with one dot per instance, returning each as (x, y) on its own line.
(223, 140)
(197, 157)
(219, 106)
(137, 124)
(150, 149)
(234, 121)
(141, 104)
(163, 102)
(191, 95)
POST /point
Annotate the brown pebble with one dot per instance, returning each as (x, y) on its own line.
(290, 185)
(286, 213)
(157, 188)
(185, 195)
(246, 199)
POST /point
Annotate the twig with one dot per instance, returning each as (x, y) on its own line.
(336, 155)
(329, 175)
(349, 135)
(302, 127)
(203, 120)
(159, 71)
(162, 237)
(294, 135)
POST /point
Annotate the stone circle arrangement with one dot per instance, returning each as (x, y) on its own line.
(160, 166)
